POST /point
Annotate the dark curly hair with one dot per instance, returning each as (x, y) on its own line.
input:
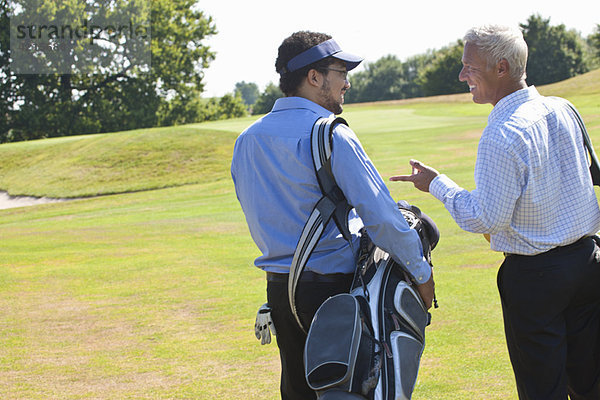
(292, 46)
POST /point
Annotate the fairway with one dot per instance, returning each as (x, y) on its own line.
(144, 286)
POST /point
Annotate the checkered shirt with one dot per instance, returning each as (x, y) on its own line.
(533, 186)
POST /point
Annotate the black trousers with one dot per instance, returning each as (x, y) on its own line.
(290, 338)
(551, 308)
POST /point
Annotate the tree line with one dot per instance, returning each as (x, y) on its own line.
(117, 78)
(555, 53)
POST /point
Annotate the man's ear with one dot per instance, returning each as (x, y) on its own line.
(314, 77)
(503, 68)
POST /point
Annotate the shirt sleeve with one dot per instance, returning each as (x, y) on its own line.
(365, 190)
(488, 208)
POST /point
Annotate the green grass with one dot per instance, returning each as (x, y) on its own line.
(93, 165)
(151, 294)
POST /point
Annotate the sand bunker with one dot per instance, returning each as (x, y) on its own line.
(8, 201)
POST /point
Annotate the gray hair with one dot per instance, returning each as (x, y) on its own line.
(501, 42)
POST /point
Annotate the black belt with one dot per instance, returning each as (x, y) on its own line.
(309, 276)
(551, 251)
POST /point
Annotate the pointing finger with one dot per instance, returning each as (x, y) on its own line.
(403, 178)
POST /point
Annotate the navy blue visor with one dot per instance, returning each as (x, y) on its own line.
(329, 48)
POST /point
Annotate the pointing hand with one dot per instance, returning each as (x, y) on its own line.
(421, 176)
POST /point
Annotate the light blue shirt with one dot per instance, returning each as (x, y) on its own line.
(276, 185)
(533, 186)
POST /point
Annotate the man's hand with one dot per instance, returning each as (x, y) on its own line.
(421, 177)
(427, 292)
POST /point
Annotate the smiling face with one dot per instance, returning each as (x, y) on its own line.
(484, 83)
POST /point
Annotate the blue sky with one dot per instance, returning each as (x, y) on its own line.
(250, 31)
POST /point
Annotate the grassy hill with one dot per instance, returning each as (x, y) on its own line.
(92, 165)
(151, 294)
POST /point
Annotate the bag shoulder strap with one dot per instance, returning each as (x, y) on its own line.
(333, 204)
(594, 164)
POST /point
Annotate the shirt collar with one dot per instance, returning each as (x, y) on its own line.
(512, 101)
(288, 103)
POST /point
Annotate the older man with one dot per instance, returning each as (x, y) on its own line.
(535, 200)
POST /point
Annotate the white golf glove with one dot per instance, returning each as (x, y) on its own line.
(264, 324)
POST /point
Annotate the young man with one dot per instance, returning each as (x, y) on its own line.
(534, 198)
(277, 188)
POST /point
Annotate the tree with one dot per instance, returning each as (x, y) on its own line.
(381, 80)
(230, 106)
(248, 91)
(6, 87)
(132, 64)
(387, 79)
(413, 68)
(555, 54)
(178, 55)
(441, 76)
(594, 43)
(267, 99)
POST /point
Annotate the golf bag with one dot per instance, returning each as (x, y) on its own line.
(365, 344)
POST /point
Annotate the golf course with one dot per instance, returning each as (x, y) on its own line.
(142, 284)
